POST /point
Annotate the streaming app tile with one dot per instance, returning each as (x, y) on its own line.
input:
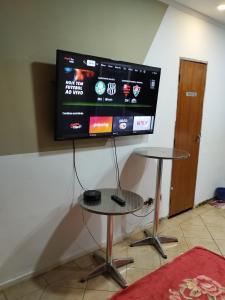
(74, 124)
(122, 124)
(141, 123)
(100, 124)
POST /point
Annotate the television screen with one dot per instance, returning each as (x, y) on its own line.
(99, 97)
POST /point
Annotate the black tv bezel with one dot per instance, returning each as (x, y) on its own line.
(102, 136)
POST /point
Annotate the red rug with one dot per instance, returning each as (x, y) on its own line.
(198, 274)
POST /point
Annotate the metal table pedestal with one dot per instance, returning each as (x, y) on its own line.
(107, 206)
(109, 265)
(155, 239)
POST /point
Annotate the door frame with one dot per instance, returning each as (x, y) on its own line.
(174, 132)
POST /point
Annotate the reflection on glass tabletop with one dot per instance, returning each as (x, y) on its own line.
(106, 206)
(160, 152)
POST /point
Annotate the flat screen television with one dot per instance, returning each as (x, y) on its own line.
(100, 97)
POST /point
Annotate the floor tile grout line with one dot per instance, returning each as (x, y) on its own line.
(210, 234)
(182, 233)
(218, 248)
(42, 294)
(127, 247)
(185, 238)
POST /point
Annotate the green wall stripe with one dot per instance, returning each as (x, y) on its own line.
(31, 31)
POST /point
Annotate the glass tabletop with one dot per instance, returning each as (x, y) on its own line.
(160, 152)
(107, 206)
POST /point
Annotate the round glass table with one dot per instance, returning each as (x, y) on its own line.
(160, 154)
(110, 208)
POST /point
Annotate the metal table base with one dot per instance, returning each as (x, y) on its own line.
(155, 239)
(109, 265)
(110, 268)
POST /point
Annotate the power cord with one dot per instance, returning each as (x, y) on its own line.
(149, 201)
(118, 184)
(81, 185)
(143, 216)
(75, 168)
(85, 224)
(116, 164)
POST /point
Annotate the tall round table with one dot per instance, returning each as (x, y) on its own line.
(160, 154)
(110, 208)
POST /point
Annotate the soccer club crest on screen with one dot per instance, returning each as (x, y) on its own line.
(136, 90)
(100, 87)
(126, 89)
(111, 88)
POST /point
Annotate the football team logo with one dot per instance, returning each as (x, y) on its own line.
(100, 87)
(126, 89)
(111, 88)
(136, 90)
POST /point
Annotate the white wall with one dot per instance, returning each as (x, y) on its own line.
(40, 221)
(184, 36)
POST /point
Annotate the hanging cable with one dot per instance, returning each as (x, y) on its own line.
(85, 224)
(75, 168)
(81, 185)
(118, 177)
(142, 216)
(116, 164)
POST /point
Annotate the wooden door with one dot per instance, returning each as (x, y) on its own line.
(191, 88)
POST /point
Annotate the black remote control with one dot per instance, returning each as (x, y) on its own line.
(118, 200)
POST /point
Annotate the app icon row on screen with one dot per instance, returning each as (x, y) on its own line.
(107, 124)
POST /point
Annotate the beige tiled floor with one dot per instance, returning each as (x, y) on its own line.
(203, 226)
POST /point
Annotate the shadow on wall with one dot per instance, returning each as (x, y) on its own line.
(44, 89)
(62, 239)
(130, 177)
(132, 172)
(62, 230)
(61, 233)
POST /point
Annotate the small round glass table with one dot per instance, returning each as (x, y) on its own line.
(110, 208)
(160, 154)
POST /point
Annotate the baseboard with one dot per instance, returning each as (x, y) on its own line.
(48, 268)
(37, 273)
(203, 202)
(189, 209)
(81, 253)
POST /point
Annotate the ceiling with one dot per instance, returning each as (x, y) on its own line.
(205, 7)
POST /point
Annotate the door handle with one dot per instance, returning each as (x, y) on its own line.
(198, 138)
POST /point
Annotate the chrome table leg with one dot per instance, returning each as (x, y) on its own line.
(109, 265)
(155, 239)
